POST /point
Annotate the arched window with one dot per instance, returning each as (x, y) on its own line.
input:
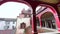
(22, 25)
(48, 20)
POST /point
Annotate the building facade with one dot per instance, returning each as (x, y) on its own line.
(7, 24)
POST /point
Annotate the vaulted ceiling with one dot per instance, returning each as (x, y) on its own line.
(47, 15)
(50, 1)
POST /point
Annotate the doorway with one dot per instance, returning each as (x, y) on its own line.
(48, 20)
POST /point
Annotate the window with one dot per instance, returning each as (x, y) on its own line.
(48, 21)
(6, 27)
(13, 27)
(7, 22)
(22, 25)
(43, 23)
(13, 22)
(53, 24)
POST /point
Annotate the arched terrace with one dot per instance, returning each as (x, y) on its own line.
(48, 13)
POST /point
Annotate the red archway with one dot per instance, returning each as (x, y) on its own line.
(53, 11)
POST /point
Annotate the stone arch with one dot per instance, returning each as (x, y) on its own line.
(52, 10)
(23, 2)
